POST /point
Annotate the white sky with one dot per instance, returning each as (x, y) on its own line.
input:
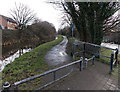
(45, 11)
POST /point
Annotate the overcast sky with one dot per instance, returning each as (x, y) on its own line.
(45, 11)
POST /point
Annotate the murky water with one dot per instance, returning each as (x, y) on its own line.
(57, 55)
(9, 53)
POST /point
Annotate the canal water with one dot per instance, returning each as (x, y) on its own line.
(9, 53)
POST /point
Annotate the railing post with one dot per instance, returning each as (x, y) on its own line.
(93, 60)
(111, 62)
(71, 53)
(6, 87)
(86, 62)
(81, 63)
(116, 56)
(54, 75)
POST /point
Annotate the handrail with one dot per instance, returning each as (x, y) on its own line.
(100, 46)
(53, 81)
(96, 54)
(80, 42)
(15, 85)
(90, 58)
(47, 72)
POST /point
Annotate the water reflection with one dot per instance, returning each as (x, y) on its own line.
(10, 52)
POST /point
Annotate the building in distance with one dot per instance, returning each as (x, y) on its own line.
(7, 23)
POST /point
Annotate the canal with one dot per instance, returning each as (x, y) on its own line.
(9, 53)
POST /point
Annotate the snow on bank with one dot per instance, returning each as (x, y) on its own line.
(11, 58)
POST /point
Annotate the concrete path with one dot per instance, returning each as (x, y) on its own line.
(94, 77)
(57, 55)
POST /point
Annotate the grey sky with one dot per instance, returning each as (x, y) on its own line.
(45, 11)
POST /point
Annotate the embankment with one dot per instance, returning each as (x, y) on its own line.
(29, 64)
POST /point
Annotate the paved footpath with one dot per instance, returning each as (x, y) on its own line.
(94, 77)
(57, 55)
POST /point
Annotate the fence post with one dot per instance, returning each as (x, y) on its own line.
(116, 56)
(54, 75)
(111, 62)
(93, 60)
(86, 61)
(81, 63)
(80, 66)
(6, 87)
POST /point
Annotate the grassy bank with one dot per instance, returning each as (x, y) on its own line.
(29, 64)
(105, 52)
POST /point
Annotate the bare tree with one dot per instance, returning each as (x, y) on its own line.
(22, 15)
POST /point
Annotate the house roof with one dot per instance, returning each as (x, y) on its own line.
(8, 19)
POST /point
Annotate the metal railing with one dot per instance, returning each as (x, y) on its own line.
(93, 49)
(82, 64)
(16, 84)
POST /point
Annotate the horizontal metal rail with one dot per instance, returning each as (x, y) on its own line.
(15, 85)
(54, 81)
(96, 54)
(113, 57)
(90, 58)
(100, 46)
(92, 53)
(62, 76)
(47, 72)
(80, 42)
(78, 52)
